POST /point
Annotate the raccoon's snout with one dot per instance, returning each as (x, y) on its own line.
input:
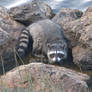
(56, 59)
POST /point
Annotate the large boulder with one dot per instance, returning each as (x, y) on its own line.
(81, 29)
(76, 26)
(31, 12)
(82, 57)
(9, 34)
(64, 17)
(8, 24)
(88, 12)
(41, 77)
(4, 37)
(78, 30)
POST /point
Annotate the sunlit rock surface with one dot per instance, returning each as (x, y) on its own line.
(40, 77)
(31, 12)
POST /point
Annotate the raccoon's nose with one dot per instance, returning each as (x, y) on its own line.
(56, 59)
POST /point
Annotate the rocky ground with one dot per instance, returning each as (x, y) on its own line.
(43, 77)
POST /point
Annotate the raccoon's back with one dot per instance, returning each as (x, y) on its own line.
(45, 31)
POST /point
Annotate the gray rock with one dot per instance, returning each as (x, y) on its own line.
(63, 18)
(4, 37)
(66, 15)
(82, 31)
(31, 12)
(9, 34)
(8, 24)
(82, 57)
(40, 77)
(75, 27)
(88, 11)
(78, 31)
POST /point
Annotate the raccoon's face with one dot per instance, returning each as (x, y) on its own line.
(57, 53)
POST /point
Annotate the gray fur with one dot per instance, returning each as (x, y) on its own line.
(46, 33)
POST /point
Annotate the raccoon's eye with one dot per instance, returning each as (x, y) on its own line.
(51, 55)
(60, 55)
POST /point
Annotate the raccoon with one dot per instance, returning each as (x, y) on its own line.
(44, 38)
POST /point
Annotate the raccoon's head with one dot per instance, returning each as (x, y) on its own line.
(57, 52)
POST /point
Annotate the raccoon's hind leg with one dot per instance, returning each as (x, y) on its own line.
(24, 44)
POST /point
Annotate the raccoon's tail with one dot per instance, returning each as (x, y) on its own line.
(24, 44)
